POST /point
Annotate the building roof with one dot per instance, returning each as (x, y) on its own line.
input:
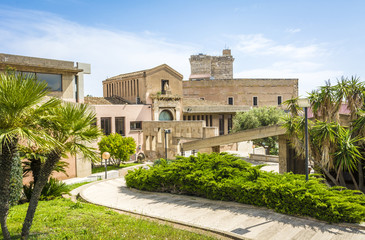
(115, 100)
(143, 73)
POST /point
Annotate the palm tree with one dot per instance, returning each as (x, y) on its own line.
(20, 108)
(72, 126)
(333, 146)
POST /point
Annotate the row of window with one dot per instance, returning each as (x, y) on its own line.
(254, 100)
(105, 125)
(208, 119)
(54, 81)
(124, 88)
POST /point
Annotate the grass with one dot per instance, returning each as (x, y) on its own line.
(112, 167)
(76, 185)
(64, 219)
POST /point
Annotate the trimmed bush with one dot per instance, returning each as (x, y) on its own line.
(226, 177)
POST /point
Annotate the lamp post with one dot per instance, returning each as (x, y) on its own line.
(167, 131)
(106, 156)
(304, 103)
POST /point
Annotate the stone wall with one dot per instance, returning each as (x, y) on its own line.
(180, 132)
(216, 67)
(242, 91)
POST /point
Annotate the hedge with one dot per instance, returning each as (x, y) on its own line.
(228, 178)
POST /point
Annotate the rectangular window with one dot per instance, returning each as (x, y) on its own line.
(76, 88)
(254, 101)
(194, 118)
(184, 117)
(119, 125)
(229, 123)
(105, 125)
(279, 100)
(202, 98)
(147, 143)
(136, 125)
(221, 124)
(189, 117)
(54, 81)
(198, 117)
(230, 101)
(211, 121)
(206, 121)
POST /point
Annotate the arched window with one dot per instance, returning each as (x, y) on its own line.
(165, 116)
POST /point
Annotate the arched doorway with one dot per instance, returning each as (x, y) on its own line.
(165, 115)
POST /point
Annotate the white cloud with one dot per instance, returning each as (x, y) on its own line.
(109, 52)
(294, 30)
(307, 62)
(257, 44)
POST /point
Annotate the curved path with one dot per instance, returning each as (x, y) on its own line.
(237, 220)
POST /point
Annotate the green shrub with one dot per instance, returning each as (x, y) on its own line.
(51, 190)
(16, 181)
(226, 177)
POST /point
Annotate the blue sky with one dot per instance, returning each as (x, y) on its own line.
(310, 40)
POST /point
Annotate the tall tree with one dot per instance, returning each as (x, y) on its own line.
(20, 109)
(259, 117)
(72, 126)
(334, 143)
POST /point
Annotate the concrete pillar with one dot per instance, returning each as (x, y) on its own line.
(283, 154)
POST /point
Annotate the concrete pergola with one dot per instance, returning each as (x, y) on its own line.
(288, 160)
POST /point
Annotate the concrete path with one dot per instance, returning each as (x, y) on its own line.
(237, 220)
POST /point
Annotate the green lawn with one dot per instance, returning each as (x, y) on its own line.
(76, 185)
(102, 168)
(64, 219)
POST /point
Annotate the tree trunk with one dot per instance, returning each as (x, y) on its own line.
(6, 157)
(361, 176)
(35, 166)
(354, 180)
(46, 170)
(328, 174)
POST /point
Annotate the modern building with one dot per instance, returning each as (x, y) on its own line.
(65, 78)
(66, 81)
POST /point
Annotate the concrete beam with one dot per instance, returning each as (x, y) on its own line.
(246, 135)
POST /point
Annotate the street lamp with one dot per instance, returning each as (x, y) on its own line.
(106, 156)
(304, 103)
(167, 131)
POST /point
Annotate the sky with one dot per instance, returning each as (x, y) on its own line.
(312, 40)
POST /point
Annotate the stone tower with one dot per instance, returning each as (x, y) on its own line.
(211, 67)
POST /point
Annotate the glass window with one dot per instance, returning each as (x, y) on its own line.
(221, 124)
(105, 125)
(54, 81)
(279, 100)
(136, 125)
(230, 123)
(165, 116)
(255, 101)
(230, 101)
(119, 125)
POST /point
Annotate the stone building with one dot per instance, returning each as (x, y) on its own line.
(66, 81)
(160, 86)
(212, 79)
(207, 101)
(205, 67)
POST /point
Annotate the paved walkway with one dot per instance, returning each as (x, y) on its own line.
(238, 220)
